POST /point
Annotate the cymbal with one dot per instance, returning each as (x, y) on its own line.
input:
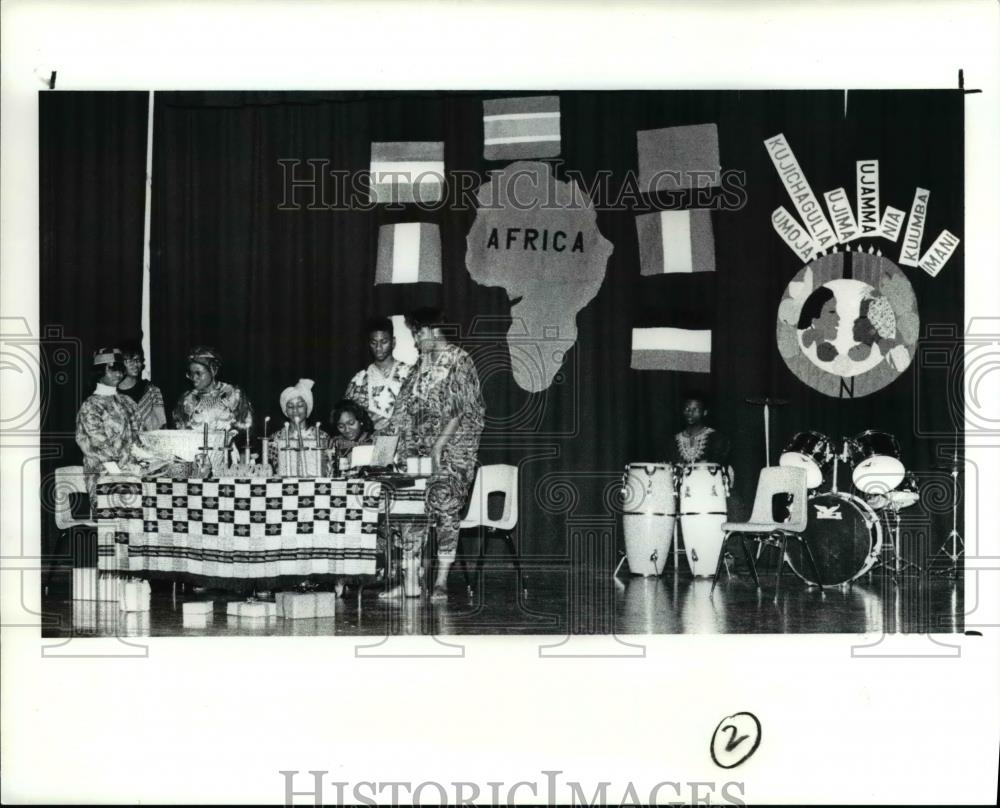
(770, 402)
(949, 467)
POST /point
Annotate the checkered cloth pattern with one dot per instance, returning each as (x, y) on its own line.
(238, 528)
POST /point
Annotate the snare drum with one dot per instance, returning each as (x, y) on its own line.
(845, 537)
(810, 451)
(702, 489)
(877, 465)
(650, 509)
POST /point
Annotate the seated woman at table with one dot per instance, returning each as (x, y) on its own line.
(297, 405)
(146, 395)
(217, 404)
(354, 427)
(107, 427)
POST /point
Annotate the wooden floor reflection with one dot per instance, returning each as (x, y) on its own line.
(560, 601)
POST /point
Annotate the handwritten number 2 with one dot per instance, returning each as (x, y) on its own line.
(733, 741)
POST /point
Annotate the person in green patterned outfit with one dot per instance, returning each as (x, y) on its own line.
(439, 414)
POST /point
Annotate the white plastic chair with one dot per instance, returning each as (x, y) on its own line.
(774, 481)
(69, 480)
(498, 478)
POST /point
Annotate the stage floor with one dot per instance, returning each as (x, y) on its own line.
(559, 602)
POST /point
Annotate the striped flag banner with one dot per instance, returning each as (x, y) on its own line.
(408, 253)
(518, 128)
(407, 172)
(675, 241)
(678, 157)
(671, 349)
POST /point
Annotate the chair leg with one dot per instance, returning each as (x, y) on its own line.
(483, 535)
(718, 566)
(812, 560)
(750, 562)
(509, 538)
(781, 565)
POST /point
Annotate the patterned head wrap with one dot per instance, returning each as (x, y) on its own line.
(301, 390)
(206, 356)
(107, 356)
(882, 317)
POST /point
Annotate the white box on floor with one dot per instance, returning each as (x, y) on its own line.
(305, 605)
(251, 609)
(198, 608)
(198, 614)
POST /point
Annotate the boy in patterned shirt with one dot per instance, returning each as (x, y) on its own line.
(375, 388)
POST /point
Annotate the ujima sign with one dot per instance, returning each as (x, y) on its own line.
(537, 237)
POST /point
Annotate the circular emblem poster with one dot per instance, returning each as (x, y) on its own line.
(848, 324)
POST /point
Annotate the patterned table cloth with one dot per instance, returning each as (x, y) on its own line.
(239, 528)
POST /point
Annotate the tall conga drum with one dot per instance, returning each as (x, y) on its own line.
(702, 489)
(650, 509)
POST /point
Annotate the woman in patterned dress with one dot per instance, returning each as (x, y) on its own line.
(107, 428)
(439, 414)
(146, 395)
(220, 405)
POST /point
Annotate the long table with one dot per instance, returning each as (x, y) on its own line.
(232, 527)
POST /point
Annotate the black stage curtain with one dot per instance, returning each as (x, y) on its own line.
(92, 164)
(284, 293)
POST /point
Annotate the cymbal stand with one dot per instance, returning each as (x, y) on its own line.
(954, 547)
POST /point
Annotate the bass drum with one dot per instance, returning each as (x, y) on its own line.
(650, 508)
(845, 537)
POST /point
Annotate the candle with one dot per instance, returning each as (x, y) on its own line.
(300, 461)
(248, 446)
(319, 457)
(265, 459)
(205, 440)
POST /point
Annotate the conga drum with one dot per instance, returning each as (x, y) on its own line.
(702, 489)
(650, 509)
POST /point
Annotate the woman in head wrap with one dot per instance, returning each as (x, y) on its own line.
(210, 402)
(107, 428)
(146, 395)
(297, 405)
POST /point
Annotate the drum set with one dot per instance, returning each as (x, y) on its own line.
(659, 498)
(845, 530)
